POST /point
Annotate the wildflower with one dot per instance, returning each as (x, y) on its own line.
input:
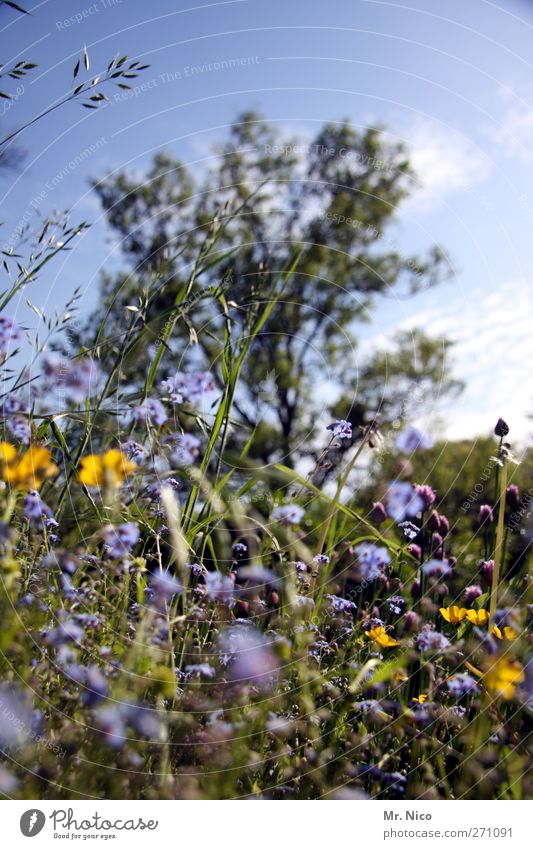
(19, 428)
(472, 592)
(378, 514)
(67, 631)
(506, 633)
(187, 449)
(396, 602)
(288, 514)
(430, 640)
(16, 720)
(423, 697)
(486, 514)
(379, 635)
(403, 501)
(8, 782)
(109, 469)
(120, 539)
(321, 559)
(411, 439)
(133, 450)
(34, 509)
(373, 559)
(462, 685)
(110, 721)
(477, 617)
(203, 670)
(150, 410)
(164, 587)
(512, 497)
(453, 614)
(9, 333)
(486, 569)
(502, 428)
(340, 429)
(504, 676)
(188, 387)
(78, 379)
(28, 471)
(144, 720)
(340, 605)
(410, 531)
(239, 550)
(436, 569)
(427, 494)
(251, 657)
(219, 587)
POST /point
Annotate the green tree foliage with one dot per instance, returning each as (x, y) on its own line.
(264, 202)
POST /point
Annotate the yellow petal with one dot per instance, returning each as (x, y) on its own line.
(8, 452)
(453, 614)
(91, 472)
(478, 617)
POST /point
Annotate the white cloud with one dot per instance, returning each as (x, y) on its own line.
(513, 133)
(493, 353)
(444, 161)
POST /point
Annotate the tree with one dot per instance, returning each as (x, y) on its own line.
(265, 204)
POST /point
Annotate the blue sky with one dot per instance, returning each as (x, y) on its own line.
(454, 81)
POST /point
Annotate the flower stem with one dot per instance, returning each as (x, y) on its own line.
(499, 540)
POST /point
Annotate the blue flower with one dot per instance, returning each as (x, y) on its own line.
(188, 387)
(151, 410)
(9, 333)
(411, 439)
(35, 510)
(403, 501)
(430, 640)
(187, 449)
(19, 426)
(373, 559)
(288, 514)
(341, 429)
(462, 685)
(436, 569)
(219, 587)
(120, 539)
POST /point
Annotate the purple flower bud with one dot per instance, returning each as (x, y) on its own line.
(433, 522)
(411, 621)
(472, 593)
(502, 428)
(486, 515)
(512, 497)
(444, 526)
(415, 550)
(378, 514)
(427, 494)
(436, 545)
(486, 570)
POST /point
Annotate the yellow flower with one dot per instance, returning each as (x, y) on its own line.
(453, 614)
(109, 469)
(508, 633)
(8, 453)
(378, 635)
(504, 676)
(29, 470)
(477, 617)
(423, 697)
